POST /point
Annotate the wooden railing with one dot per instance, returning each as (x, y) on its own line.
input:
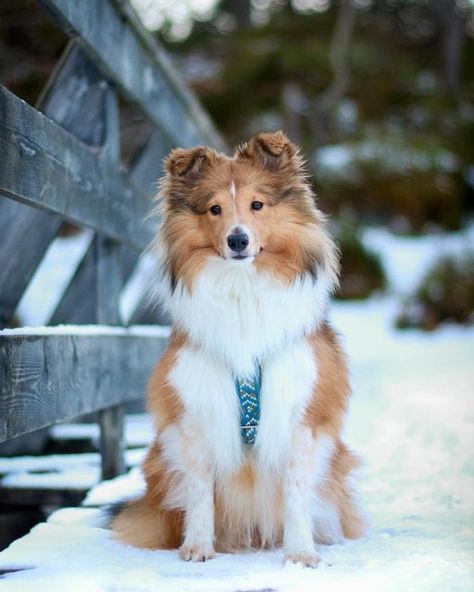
(61, 161)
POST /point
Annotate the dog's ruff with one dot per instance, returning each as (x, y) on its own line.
(207, 489)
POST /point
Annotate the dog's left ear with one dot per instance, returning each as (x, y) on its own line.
(273, 151)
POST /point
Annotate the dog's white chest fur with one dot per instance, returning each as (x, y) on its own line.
(207, 390)
(242, 317)
(236, 318)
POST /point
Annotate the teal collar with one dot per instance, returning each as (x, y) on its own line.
(248, 393)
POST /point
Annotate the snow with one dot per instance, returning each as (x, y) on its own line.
(137, 285)
(411, 419)
(406, 259)
(138, 431)
(75, 471)
(93, 330)
(72, 471)
(51, 278)
(121, 488)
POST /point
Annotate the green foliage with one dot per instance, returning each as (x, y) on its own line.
(256, 62)
(446, 293)
(362, 272)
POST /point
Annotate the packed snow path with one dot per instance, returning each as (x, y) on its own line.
(412, 421)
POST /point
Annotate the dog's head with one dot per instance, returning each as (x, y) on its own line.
(256, 208)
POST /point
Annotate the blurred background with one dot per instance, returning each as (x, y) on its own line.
(378, 93)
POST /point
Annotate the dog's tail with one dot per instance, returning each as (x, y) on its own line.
(141, 524)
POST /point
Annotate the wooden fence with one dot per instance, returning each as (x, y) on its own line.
(61, 161)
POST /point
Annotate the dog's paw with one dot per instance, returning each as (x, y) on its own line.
(197, 552)
(303, 559)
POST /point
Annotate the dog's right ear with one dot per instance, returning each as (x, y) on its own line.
(188, 164)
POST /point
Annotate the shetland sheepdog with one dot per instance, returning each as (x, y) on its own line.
(250, 396)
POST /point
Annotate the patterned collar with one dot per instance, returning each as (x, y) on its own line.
(248, 393)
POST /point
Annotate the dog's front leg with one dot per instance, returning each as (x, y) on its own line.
(298, 540)
(199, 498)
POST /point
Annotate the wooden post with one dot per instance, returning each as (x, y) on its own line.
(112, 441)
(108, 285)
(108, 263)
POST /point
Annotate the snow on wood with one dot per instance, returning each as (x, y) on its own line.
(93, 330)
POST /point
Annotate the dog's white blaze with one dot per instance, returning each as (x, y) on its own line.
(233, 194)
(241, 317)
(232, 190)
(288, 379)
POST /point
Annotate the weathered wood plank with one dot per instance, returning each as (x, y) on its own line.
(75, 98)
(138, 65)
(46, 379)
(43, 165)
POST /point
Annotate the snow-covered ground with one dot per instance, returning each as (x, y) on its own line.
(412, 421)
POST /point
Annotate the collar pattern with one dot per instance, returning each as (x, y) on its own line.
(248, 393)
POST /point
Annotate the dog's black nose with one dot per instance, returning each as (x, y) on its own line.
(238, 242)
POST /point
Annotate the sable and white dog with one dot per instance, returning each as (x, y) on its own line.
(250, 396)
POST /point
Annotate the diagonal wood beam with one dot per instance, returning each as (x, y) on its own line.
(112, 35)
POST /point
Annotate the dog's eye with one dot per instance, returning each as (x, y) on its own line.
(256, 205)
(215, 210)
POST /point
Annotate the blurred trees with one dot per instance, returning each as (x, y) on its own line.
(387, 82)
